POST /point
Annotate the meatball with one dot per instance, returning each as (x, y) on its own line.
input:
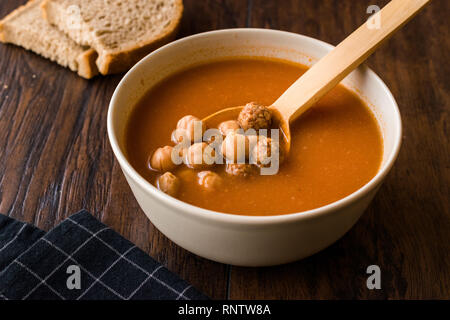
(209, 180)
(240, 169)
(255, 116)
(235, 147)
(200, 155)
(264, 150)
(186, 126)
(229, 126)
(161, 159)
(168, 183)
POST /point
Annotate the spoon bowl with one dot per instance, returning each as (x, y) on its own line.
(278, 122)
(214, 119)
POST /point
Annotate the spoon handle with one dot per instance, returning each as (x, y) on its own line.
(348, 55)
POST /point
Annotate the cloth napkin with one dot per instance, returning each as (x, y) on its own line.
(81, 258)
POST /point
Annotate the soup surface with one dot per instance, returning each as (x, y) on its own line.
(336, 146)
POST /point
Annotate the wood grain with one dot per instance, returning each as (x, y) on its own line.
(55, 158)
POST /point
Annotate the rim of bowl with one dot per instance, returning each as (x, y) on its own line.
(249, 219)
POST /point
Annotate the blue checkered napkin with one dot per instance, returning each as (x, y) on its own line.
(37, 265)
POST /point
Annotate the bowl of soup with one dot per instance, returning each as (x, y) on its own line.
(341, 149)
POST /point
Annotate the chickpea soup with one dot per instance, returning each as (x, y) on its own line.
(336, 146)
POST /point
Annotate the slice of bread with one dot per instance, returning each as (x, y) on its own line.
(25, 27)
(121, 31)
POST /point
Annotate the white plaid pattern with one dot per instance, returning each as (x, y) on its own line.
(149, 276)
(85, 270)
(42, 281)
(13, 239)
(104, 272)
(105, 278)
(60, 265)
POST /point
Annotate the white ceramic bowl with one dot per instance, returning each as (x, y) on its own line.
(248, 240)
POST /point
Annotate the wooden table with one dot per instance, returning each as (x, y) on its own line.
(55, 158)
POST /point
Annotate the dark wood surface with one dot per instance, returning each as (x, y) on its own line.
(55, 158)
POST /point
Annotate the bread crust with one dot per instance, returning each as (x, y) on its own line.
(86, 64)
(2, 35)
(111, 62)
(44, 10)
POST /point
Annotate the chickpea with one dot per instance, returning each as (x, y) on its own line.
(235, 147)
(209, 180)
(161, 159)
(168, 183)
(255, 116)
(239, 169)
(186, 126)
(210, 140)
(200, 155)
(179, 135)
(264, 150)
(213, 136)
(229, 126)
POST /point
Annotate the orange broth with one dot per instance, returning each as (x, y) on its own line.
(336, 146)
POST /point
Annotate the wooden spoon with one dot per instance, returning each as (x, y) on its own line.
(335, 66)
